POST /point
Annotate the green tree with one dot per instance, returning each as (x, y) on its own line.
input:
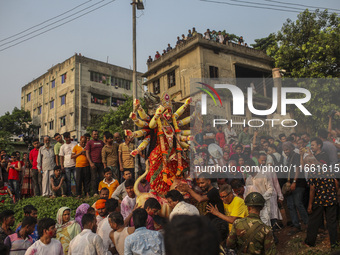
(309, 48)
(269, 42)
(18, 122)
(5, 143)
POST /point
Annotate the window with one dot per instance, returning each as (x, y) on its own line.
(62, 121)
(213, 72)
(51, 123)
(63, 99)
(99, 99)
(121, 83)
(115, 102)
(52, 104)
(99, 77)
(171, 79)
(40, 90)
(53, 84)
(39, 110)
(156, 87)
(29, 97)
(63, 78)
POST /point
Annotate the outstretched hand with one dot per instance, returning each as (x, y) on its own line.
(212, 209)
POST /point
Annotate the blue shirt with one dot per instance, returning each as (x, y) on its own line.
(34, 235)
(144, 242)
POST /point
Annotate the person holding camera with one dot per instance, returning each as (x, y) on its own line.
(13, 169)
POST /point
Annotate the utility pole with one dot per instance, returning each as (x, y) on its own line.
(139, 5)
(136, 4)
(134, 51)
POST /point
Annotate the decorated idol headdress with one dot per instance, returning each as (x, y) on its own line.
(166, 101)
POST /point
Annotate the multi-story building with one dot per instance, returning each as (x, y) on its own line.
(71, 93)
(198, 59)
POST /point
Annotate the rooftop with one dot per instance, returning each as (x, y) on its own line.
(198, 40)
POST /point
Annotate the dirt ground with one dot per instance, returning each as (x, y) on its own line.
(294, 244)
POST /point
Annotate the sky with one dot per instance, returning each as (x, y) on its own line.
(106, 33)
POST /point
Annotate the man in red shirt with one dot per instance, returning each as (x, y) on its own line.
(94, 156)
(220, 138)
(37, 177)
(13, 169)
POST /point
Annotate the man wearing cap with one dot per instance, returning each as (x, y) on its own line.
(100, 207)
(250, 235)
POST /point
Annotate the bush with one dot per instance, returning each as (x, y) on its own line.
(47, 207)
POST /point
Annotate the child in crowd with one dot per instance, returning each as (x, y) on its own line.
(129, 201)
(110, 183)
(58, 183)
(13, 169)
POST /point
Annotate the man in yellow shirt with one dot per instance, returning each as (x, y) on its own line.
(234, 207)
(83, 173)
(110, 183)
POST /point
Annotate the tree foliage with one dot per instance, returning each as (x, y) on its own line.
(17, 122)
(5, 143)
(265, 43)
(309, 48)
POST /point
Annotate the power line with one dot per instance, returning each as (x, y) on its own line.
(271, 5)
(44, 21)
(263, 5)
(51, 23)
(243, 5)
(308, 6)
(56, 26)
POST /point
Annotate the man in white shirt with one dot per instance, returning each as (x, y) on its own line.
(104, 228)
(257, 181)
(67, 163)
(47, 244)
(87, 242)
(229, 133)
(178, 206)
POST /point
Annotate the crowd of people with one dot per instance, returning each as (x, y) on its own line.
(217, 36)
(232, 214)
(49, 170)
(303, 194)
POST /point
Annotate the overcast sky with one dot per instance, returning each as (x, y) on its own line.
(107, 32)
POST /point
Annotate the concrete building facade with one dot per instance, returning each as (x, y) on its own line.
(71, 93)
(198, 58)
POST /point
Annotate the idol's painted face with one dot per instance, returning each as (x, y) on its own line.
(167, 114)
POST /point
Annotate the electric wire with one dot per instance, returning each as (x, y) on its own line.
(303, 5)
(34, 31)
(44, 22)
(10, 46)
(243, 5)
(262, 5)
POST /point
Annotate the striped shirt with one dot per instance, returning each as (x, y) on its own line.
(127, 159)
(17, 244)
